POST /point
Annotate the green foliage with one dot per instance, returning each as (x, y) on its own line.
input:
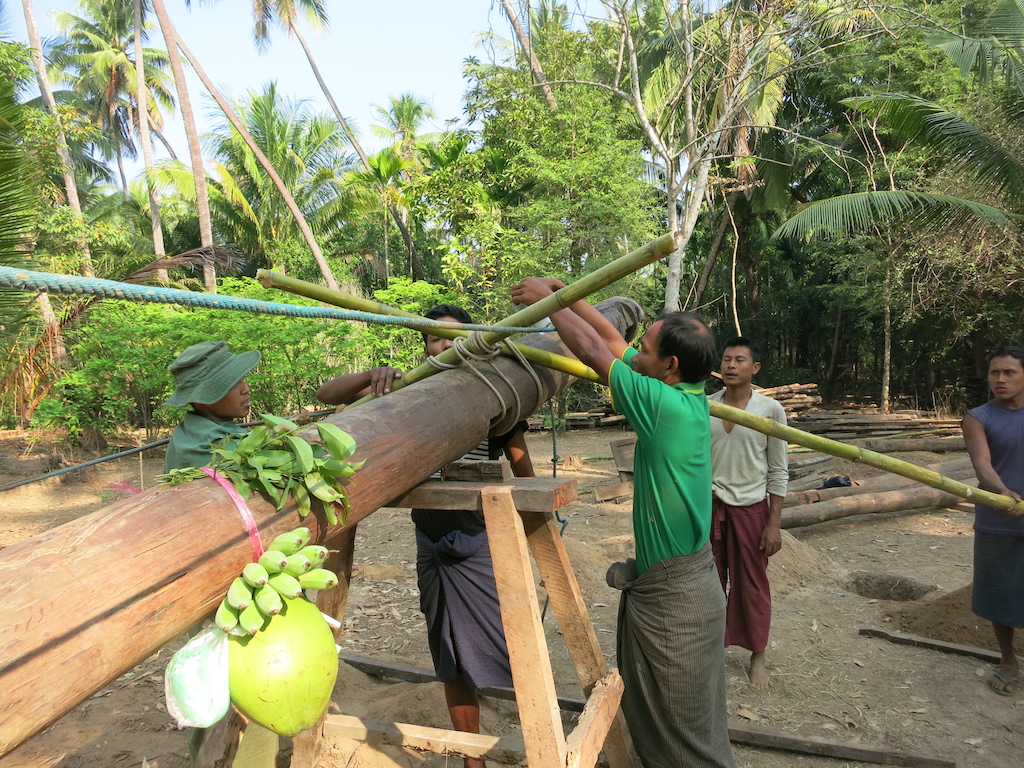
(119, 376)
(394, 345)
(275, 461)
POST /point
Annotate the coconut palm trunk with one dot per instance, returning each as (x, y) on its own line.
(524, 43)
(142, 102)
(192, 136)
(264, 161)
(414, 258)
(46, 91)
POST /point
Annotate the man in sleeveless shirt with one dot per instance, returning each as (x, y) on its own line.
(994, 433)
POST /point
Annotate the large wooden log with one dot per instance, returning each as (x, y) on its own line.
(846, 506)
(87, 601)
(958, 469)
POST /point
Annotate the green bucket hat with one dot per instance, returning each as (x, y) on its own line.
(207, 371)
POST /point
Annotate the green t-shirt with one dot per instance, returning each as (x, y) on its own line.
(190, 443)
(671, 465)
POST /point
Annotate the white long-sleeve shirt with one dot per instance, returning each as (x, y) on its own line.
(746, 465)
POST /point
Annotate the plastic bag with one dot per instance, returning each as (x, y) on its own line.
(196, 680)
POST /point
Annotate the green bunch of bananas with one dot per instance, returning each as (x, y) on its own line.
(288, 567)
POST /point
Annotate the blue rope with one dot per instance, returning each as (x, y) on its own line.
(45, 282)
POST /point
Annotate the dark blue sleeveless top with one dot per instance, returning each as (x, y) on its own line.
(1004, 430)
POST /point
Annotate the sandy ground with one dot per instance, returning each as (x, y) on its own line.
(829, 581)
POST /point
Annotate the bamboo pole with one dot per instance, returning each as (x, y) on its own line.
(924, 476)
(543, 357)
(561, 299)
(608, 274)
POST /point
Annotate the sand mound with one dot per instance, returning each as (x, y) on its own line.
(947, 617)
(798, 564)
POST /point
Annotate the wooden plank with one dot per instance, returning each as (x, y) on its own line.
(555, 567)
(220, 741)
(411, 673)
(524, 631)
(306, 746)
(758, 736)
(613, 491)
(583, 746)
(904, 638)
(623, 451)
(497, 471)
(504, 749)
(530, 494)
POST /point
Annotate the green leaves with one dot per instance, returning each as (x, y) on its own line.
(281, 465)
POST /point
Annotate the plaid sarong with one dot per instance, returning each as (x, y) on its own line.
(672, 661)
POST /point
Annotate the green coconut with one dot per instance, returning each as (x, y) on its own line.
(282, 677)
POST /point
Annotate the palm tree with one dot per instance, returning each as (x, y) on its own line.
(996, 168)
(524, 43)
(93, 56)
(142, 102)
(285, 13)
(192, 136)
(20, 375)
(46, 91)
(400, 123)
(379, 188)
(309, 152)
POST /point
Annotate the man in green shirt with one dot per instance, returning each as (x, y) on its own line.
(672, 613)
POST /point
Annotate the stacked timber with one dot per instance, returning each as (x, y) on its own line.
(879, 493)
(795, 398)
(852, 425)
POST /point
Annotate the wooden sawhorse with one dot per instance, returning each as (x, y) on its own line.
(520, 520)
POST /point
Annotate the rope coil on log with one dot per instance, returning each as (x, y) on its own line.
(45, 282)
(475, 350)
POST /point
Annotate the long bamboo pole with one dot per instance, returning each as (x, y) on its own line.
(569, 365)
(924, 476)
(298, 287)
(562, 298)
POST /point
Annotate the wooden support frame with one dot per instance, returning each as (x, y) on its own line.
(513, 534)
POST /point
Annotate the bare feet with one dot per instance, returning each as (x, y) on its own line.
(758, 672)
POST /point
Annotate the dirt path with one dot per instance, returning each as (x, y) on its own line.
(827, 681)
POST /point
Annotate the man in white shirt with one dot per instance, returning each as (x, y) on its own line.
(749, 476)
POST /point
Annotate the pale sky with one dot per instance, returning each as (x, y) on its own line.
(373, 50)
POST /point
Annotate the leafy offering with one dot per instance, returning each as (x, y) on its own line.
(277, 462)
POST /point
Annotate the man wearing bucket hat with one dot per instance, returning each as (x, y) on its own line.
(212, 379)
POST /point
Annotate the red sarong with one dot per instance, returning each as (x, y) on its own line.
(743, 569)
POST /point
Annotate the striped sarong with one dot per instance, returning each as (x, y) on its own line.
(672, 661)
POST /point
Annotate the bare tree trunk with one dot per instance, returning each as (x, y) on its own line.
(887, 333)
(70, 189)
(192, 135)
(142, 102)
(833, 361)
(396, 215)
(709, 261)
(163, 140)
(268, 167)
(675, 259)
(524, 43)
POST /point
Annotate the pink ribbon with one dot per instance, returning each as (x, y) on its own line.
(243, 510)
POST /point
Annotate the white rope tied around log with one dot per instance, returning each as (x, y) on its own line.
(473, 351)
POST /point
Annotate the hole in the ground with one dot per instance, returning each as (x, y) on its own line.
(886, 586)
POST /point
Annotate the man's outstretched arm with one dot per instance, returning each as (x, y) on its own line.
(590, 336)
